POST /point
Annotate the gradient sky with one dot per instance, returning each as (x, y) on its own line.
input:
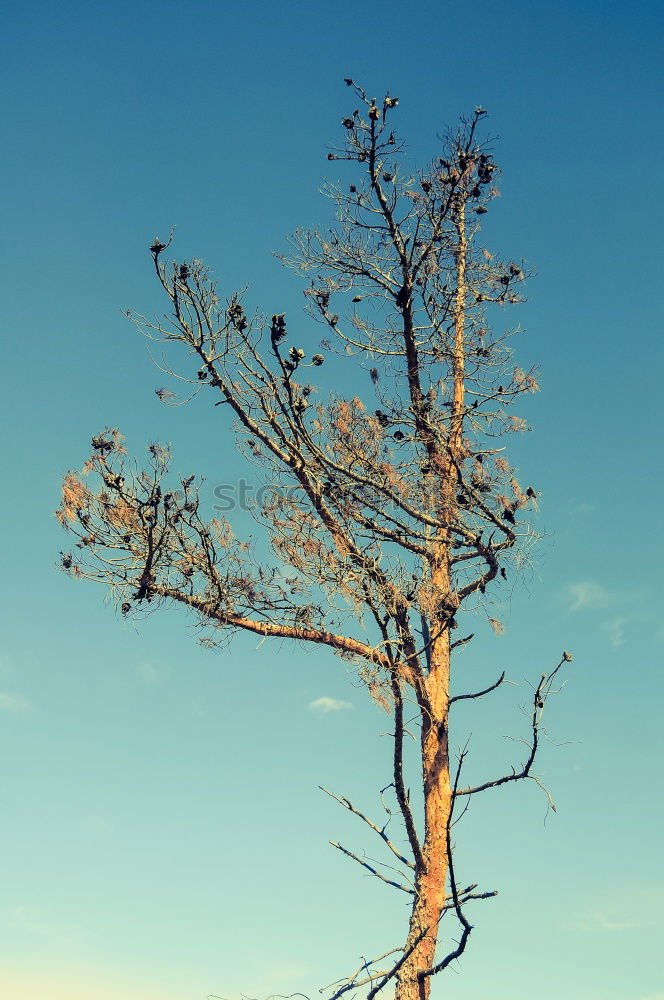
(161, 832)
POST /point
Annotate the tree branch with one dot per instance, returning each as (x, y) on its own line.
(479, 694)
(381, 833)
(395, 968)
(370, 868)
(350, 982)
(399, 787)
(342, 643)
(542, 692)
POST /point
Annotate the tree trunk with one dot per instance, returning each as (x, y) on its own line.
(431, 880)
(430, 883)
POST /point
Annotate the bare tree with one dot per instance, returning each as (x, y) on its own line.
(387, 519)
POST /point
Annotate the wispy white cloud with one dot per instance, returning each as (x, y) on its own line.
(616, 630)
(585, 508)
(16, 704)
(27, 919)
(325, 704)
(640, 908)
(96, 822)
(626, 610)
(604, 920)
(147, 672)
(587, 594)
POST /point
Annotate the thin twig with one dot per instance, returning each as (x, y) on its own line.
(381, 832)
(364, 965)
(395, 968)
(370, 868)
(542, 692)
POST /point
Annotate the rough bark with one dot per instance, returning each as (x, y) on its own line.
(431, 878)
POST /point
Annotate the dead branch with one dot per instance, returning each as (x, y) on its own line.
(347, 804)
(370, 868)
(363, 966)
(542, 692)
(400, 789)
(479, 694)
(352, 982)
(395, 968)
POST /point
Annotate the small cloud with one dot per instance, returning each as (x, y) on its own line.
(585, 508)
(95, 822)
(326, 704)
(616, 630)
(147, 672)
(636, 909)
(26, 919)
(15, 704)
(606, 920)
(586, 594)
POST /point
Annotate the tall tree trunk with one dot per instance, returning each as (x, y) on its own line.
(431, 880)
(430, 883)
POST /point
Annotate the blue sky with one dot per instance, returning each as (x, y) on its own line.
(162, 834)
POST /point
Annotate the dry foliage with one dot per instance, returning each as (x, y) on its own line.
(392, 513)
